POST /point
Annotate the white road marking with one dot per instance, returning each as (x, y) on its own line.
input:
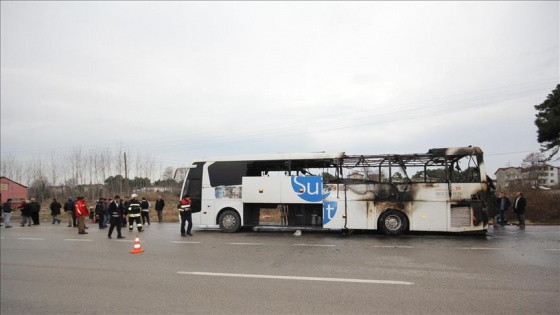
(238, 275)
(392, 246)
(78, 240)
(185, 242)
(31, 238)
(246, 243)
(554, 249)
(314, 245)
(482, 248)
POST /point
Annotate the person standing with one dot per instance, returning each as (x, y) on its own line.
(186, 215)
(7, 212)
(100, 212)
(35, 209)
(55, 211)
(107, 218)
(134, 210)
(519, 208)
(81, 214)
(126, 204)
(116, 210)
(160, 203)
(503, 204)
(69, 209)
(26, 210)
(145, 205)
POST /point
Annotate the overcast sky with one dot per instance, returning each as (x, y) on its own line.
(187, 80)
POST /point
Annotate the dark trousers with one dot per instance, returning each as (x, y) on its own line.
(521, 218)
(503, 217)
(35, 217)
(145, 217)
(74, 219)
(186, 216)
(131, 221)
(101, 220)
(115, 222)
(159, 215)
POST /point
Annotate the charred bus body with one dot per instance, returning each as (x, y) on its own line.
(444, 190)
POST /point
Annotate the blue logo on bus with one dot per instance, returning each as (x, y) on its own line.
(329, 210)
(309, 188)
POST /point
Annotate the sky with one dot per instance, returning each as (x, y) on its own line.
(188, 80)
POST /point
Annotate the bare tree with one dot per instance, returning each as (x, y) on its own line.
(11, 168)
(167, 173)
(54, 172)
(531, 166)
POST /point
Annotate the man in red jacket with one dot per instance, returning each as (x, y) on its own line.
(81, 213)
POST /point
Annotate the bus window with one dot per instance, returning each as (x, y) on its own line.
(227, 173)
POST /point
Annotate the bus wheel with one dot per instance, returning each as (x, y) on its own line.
(229, 221)
(393, 222)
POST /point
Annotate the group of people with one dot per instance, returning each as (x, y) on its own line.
(112, 213)
(29, 212)
(108, 211)
(503, 204)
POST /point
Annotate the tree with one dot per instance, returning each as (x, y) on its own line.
(533, 159)
(40, 188)
(548, 123)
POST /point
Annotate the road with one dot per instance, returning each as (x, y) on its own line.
(50, 269)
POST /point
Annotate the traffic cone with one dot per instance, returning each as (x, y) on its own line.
(137, 249)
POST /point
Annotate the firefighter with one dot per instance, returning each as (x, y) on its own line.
(134, 210)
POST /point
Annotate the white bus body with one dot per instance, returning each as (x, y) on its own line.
(444, 190)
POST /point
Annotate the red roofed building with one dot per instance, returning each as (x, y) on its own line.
(11, 189)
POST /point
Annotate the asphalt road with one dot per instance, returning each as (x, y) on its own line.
(50, 269)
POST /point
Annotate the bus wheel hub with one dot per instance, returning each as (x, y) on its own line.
(392, 222)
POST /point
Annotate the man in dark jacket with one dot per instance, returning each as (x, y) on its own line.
(55, 211)
(503, 204)
(69, 209)
(116, 211)
(519, 208)
(159, 208)
(35, 208)
(7, 212)
(100, 212)
(26, 210)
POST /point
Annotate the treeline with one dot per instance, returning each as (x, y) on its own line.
(92, 173)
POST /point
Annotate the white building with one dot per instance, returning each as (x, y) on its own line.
(543, 175)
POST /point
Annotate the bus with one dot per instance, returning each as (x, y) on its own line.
(443, 190)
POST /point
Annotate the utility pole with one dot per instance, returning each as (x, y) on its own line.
(125, 177)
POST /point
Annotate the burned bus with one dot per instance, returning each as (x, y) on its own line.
(443, 190)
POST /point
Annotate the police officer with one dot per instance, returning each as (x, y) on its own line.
(134, 210)
(116, 210)
(186, 215)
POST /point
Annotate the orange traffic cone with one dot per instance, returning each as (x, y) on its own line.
(137, 249)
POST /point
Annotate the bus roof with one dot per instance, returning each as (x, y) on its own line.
(456, 151)
(277, 157)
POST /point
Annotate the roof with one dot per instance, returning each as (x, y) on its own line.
(277, 157)
(1, 177)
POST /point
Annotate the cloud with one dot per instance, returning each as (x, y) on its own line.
(191, 79)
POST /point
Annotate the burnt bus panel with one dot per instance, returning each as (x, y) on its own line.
(429, 216)
(460, 216)
(357, 215)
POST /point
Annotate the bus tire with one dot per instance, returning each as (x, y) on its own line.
(229, 221)
(393, 222)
